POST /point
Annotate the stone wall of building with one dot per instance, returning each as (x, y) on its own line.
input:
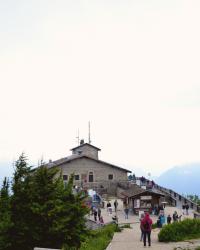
(84, 167)
(100, 171)
(86, 150)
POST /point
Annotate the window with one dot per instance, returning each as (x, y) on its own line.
(91, 177)
(65, 177)
(110, 177)
(76, 177)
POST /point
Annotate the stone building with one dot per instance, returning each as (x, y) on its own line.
(89, 171)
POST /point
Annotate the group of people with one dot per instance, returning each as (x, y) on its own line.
(161, 219)
(97, 213)
(109, 206)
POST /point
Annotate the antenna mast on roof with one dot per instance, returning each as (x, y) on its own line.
(78, 138)
(89, 140)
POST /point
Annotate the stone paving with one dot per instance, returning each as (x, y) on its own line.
(130, 238)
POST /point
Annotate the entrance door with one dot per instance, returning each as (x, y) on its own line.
(91, 177)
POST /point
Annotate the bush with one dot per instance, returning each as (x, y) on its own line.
(154, 225)
(125, 226)
(178, 231)
(100, 238)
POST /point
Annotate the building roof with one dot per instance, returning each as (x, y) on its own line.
(84, 145)
(76, 157)
(135, 190)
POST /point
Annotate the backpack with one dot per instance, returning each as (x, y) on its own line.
(147, 226)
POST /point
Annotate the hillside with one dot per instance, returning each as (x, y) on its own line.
(182, 179)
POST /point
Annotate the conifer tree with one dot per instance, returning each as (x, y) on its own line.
(40, 211)
(58, 214)
(5, 217)
(20, 212)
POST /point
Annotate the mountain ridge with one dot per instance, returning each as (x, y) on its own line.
(182, 179)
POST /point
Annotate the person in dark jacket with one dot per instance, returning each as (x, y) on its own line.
(99, 213)
(169, 219)
(175, 216)
(95, 214)
(146, 225)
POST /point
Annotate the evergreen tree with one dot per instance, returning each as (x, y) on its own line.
(70, 212)
(40, 211)
(5, 217)
(58, 214)
(20, 212)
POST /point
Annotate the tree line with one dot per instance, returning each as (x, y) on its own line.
(37, 210)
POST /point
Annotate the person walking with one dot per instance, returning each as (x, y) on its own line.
(99, 213)
(126, 210)
(95, 214)
(175, 216)
(169, 219)
(115, 205)
(142, 233)
(109, 208)
(146, 224)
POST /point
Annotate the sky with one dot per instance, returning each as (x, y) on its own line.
(131, 68)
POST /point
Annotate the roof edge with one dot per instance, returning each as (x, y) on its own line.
(84, 145)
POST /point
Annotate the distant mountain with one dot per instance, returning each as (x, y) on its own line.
(182, 179)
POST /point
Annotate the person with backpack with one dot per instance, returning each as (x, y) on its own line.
(146, 225)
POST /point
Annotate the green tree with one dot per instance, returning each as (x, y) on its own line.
(194, 198)
(5, 216)
(58, 214)
(40, 211)
(20, 205)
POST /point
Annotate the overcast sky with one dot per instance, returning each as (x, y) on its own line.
(130, 67)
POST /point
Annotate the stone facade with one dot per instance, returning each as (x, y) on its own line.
(89, 171)
(93, 174)
(86, 149)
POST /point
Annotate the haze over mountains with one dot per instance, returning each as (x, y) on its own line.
(182, 179)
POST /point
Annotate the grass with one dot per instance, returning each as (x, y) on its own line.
(100, 238)
(179, 231)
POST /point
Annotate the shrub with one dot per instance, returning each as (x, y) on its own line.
(178, 231)
(100, 238)
(125, 226)
(154, 225)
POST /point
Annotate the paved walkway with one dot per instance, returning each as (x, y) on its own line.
(130, 238)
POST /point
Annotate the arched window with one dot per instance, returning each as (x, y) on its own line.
(91, 177)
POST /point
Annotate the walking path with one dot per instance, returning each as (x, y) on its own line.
(130, 238)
